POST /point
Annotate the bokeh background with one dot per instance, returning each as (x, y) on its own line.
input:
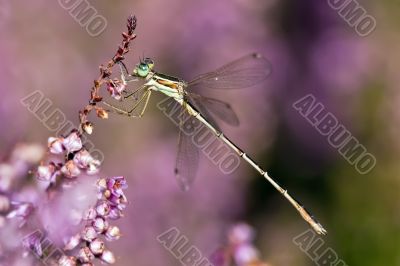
(312, 50)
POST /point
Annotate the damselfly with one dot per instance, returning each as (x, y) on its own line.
(241, 73)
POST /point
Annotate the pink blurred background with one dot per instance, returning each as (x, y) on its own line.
(312, 50)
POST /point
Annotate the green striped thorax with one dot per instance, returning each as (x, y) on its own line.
(143, 68)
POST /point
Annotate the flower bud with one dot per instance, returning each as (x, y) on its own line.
(113, 233)
(101, 113)
(73, 242)
(100, 225)
(73, 142)
(97, 246)
(85, 255)
(55, 145)
(108, 257)
(87, 127)
(70, 169)
(67, 261)
(89, 233)
(103, 209)
(46, 172)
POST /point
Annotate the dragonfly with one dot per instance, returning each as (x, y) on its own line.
(247, 71)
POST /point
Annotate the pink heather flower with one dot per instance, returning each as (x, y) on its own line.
(70, 169)
(97, 229)
(20, 210)
(116, 185)
(73, 142)
(85, 255)
(115, 213)
(88, 244)
(97, 246)
(89, 233)
(241, 233)
(108, 257)
(78, 159)
(113, 233)
(55, 145)
(72, 242)
(118, 201)
(239, 251)
(245, 255)
(93, 168)
(103, 209)
(84, 160)
(47, 173)
(112, 190)
(67, 261)
(100, 225)
(60, 203)
(17, 198)
(115, 88)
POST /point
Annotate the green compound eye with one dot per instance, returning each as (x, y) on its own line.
(142, 70)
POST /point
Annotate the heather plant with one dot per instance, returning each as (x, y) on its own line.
(56, 208)
(239, 249)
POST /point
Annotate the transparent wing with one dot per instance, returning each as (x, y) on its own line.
(244, 72)
(187, 160)
(198, 102)
(218, 108)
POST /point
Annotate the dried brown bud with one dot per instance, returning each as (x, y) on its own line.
(125, 35)
(120, 50)
(87, 127)
(101, 113)
(131, 24)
